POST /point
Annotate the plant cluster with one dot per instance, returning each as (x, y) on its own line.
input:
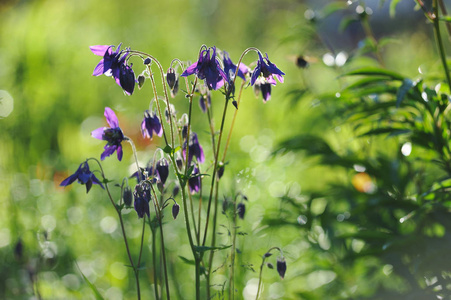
(179, 174)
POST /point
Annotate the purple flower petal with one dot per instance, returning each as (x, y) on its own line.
(99, 49)
(111, 117)
(98, 133)
(119, 152)
(98, 70)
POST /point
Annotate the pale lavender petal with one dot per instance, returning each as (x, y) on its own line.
(279, 77)
(99, 49)
(98, 69)
(111, 118)
(244, 69)
(98, 133)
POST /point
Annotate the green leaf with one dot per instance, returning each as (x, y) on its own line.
(407, 84)
(91, 286)
(167, 149)
(393, 5)
(391, 131)
(202, 249)
(373, 71)
(187, 261)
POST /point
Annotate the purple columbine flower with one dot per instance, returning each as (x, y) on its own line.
(207, 68)
(230, 68)
(267, 69)
(84, 176)
(142, 198)
(263, 85)
(114, 64)
(194, 183)
(150, 125)
(195, 149)
(112, 135)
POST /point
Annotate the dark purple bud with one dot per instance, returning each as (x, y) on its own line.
(141, 79)
(171, 78)
(142, 198)
(281, 267)
(270, 265)
(267, 254)
(162, 167)
(147, 61)
(205, 102)
(127, 78)
(127, 196)
(220, 170)
(175, 191)
(241, 209)
(175, 210)
(184, 131)
(235, 104)
(179, 162)
(18, 250)
(175, 89)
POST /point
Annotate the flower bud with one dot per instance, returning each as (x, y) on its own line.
(18, 250)
(175, 210)
(267, 254)
(220, 170)
(281, 267)
(147, 61)
(127, 196)
(162, 167)
(270, 265)
(141, 80)
(171, 78)
(240, 209)
(175, 191)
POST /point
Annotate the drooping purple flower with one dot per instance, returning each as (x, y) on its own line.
(114, 64)
(112, 135)
(195, 149)
(207, 68)
(150, 125)
(162, 167)
(230, 68)
(263, 85)
(195, 182)
(266, 69)
(148, 170)
(142, 197)
(204, 102)
(84, 176)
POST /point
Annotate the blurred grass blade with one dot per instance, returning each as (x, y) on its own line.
(92, 286)
(373, 71)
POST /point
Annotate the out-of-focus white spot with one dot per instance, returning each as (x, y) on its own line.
(5, 237)
(74, 214)
(302, 220)
(250, 290)
(114, 293)
(341, 59)
(329, 59)
(118, 270)
(71, 281)
(359, 9)
(359, 168)
(319, 278)
(387, 269)
(48, 222)
(6, 104)
(276, 291)
(108, 224)
(406, 149)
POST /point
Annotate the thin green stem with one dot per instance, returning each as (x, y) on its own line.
(121, 221)
(159, 212)
(154, 261)
(440, 44)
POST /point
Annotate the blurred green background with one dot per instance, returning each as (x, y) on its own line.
(46, 67)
